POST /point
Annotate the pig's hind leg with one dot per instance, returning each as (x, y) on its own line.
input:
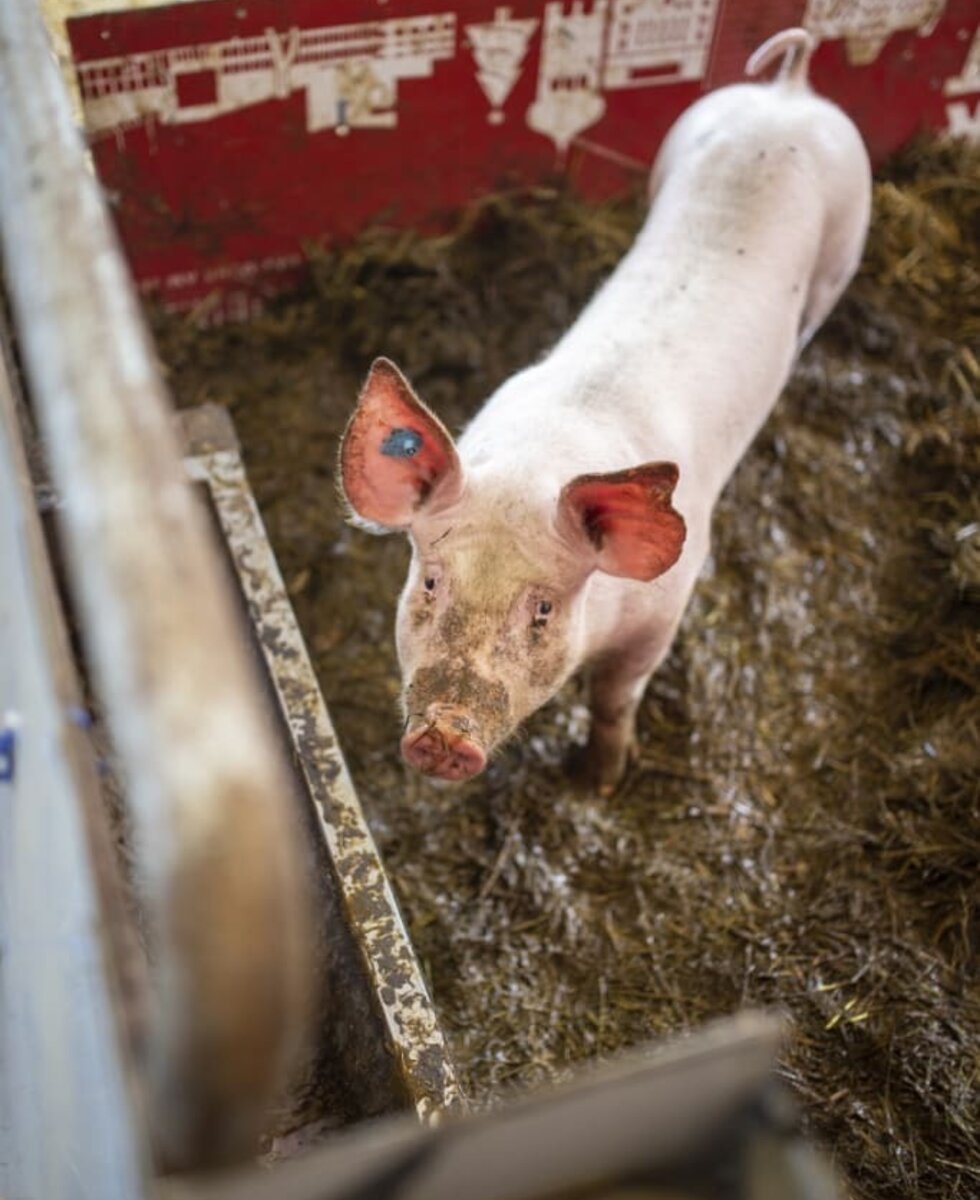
(824, 294)
(840, 257)
(617, 683)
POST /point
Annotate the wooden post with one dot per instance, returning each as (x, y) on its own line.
(217, 836)
(70, 1112)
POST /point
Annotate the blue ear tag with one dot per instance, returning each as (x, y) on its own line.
(402, 443)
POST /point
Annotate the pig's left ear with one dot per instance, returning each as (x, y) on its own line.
(627, 519)
(396, 455)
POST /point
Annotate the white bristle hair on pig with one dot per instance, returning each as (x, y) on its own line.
(568, 525)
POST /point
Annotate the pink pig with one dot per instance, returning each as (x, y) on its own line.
(568, 526)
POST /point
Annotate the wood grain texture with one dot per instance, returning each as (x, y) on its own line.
(216, 833)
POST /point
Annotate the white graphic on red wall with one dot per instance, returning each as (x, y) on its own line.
(866, 25)
(958, 113)
(613, 45)
(658, 41)
(499, 48)
(349, 74)
(568, 98)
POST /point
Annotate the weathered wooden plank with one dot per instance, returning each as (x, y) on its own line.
(69, 1105)
(216, 834)
(397, 1032)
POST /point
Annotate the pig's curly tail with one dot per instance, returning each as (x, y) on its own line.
(795, 45)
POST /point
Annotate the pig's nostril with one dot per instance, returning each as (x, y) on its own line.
(423, 750)
(466, 760)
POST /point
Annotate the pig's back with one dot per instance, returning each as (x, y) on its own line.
(761, 202)
(779, 171)
(746, 122)
(684, 350)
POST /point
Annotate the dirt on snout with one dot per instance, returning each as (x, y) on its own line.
(802, 825)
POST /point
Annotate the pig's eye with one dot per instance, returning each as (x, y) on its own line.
(429, 583)
(542, 611)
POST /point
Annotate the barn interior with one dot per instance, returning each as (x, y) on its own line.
(800, 828)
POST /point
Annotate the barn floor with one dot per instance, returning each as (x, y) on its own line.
(802, 826)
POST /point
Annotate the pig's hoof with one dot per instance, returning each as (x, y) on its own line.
(608, 779)
(593, 768)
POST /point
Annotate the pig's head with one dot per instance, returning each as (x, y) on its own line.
(491, 619)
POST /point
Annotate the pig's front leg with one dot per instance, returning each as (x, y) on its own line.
(618, 680)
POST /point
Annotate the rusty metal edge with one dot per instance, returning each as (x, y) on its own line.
(410, 1021)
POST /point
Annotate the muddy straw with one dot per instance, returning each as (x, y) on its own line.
(802, 825)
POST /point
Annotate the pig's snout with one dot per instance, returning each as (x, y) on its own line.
(444, 744)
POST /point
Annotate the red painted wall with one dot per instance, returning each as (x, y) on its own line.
(228, 133)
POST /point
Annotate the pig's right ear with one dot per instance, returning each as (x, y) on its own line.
(625, 519)
(396, 456)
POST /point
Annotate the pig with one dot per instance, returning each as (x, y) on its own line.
(568, 526)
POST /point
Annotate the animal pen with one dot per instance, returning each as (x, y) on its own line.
(224, 940)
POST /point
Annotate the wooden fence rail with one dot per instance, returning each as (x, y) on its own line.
(217, 839)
